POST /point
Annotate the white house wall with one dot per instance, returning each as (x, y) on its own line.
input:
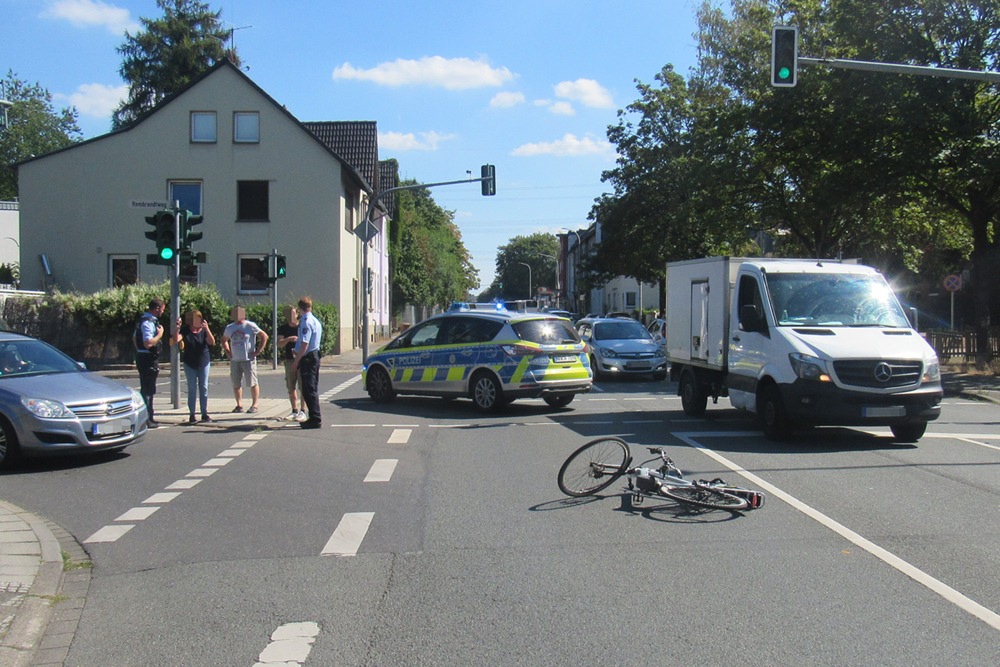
(75, 204)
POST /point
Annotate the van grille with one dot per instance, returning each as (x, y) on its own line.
(879, 373)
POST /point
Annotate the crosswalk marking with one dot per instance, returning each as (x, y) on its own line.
(381, 470)
(350, 532)
(400, 436)
(109, 533)
(290, 645)
(137, 514)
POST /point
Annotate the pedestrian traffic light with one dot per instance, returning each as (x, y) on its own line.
(279, 267)
(489, 180)
(784, 56)
(164, 235)
(189, 220)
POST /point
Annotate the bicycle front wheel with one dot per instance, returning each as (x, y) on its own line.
(594, 467)
(704, 496)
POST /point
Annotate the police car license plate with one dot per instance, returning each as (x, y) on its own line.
(564, 359)
(112, 427)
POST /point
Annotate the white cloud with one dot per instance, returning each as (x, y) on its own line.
(421, 141)
(569, 146)
(506, 99)
(96, 99)
(587, 92)
(562, 109)
(450, 73)
(88, 13)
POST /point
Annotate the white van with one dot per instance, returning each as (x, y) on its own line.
(815, 342)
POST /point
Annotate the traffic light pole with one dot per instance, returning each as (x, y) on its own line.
(273, 259)
(366, 238)
(175, 312)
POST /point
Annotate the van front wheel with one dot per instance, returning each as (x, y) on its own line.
(771, 410)
(908, 432)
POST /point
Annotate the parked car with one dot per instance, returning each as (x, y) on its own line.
(491, 357)
(658, 328)
(616, 313)
(50, 404)
(620, 346)
(560, 313)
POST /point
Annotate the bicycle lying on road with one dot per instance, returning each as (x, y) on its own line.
(597, 464)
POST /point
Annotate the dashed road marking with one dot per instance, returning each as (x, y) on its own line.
(381, 470)
(400, 436)
(137, 514)
(290, 645)
(109, 533)
(350, 532)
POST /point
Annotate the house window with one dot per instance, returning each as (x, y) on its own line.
(123, 270)
(203, 127)
(630, 299)
(188, 193)
(349, 211)
(246, 127)
(253, 274)
(252, 201)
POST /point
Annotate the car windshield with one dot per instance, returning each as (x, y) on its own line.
(546, 332)
(624, 330)
(33, 357)
(857, 300)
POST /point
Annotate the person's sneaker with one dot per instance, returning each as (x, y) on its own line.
(300, 416)
(310, 423)
(206, 418)
(293, 416)
(152, 424)
(192, 420)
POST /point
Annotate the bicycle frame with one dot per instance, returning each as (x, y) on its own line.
(670, 476)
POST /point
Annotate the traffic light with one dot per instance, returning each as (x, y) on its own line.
(279, 267)
(489, 182)
(189, 220)
(784, 56)
(164, 235)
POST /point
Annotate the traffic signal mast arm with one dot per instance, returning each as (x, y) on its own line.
(895, 68)
(419, 186)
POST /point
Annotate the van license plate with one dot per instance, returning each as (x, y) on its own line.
(112, 427)
(890, 411)
(564, 359)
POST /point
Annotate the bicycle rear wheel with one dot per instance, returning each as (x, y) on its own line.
(704, 496)
(594, 467)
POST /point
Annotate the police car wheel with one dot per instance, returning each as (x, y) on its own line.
(380, 386)
(487, 393)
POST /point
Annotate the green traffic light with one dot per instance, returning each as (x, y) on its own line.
(784, 73)
(166, 253)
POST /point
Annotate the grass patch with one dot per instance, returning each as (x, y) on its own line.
(69, 564)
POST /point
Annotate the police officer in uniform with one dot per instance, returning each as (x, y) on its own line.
(306, 360)
(147, 336)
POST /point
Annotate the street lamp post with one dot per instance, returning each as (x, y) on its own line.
(529, 277)
(579, 251)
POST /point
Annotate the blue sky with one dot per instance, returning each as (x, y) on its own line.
(529, 86)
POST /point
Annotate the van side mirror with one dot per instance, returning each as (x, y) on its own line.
(751, 319)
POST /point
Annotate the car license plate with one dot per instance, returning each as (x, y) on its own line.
(889, 411)
(636, 365)
(112, 427)
(564, 359)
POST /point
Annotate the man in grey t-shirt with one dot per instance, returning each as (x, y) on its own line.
(242, 341)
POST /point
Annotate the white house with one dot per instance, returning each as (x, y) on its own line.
(226, 150)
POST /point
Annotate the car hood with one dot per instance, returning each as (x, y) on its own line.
(67, 388)
(628, 345)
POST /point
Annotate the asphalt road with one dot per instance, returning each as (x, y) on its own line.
(424, 533)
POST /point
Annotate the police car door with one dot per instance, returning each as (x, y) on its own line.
(417, 360)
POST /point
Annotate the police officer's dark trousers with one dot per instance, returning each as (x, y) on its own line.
(148, 364)
(309, 374)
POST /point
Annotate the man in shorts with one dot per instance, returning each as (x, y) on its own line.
(242, 341)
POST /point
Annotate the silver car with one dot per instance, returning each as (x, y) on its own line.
(50, 404)
(619, 346)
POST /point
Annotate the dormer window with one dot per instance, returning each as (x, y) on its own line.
(204, 127)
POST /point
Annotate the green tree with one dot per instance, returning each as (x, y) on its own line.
(431, 265)
(35, 128)
(169, 53)
(533, 250)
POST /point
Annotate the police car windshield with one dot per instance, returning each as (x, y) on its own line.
(546, 332)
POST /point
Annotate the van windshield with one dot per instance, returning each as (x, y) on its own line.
(854, 300)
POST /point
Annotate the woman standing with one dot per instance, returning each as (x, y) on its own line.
(196, 341)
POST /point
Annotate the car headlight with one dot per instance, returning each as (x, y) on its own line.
(932, 371)
(809, 368)
(47, 409)
(661, 351)
(608, 353)
(137, 401)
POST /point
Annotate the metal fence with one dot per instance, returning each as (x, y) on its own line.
(952, 346)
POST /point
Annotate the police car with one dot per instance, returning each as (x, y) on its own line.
(486, 353)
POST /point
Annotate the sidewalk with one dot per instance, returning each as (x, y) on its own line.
(45, 572)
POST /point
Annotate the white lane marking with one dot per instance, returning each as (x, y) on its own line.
(449, 425)
(137, 514)
(963, 602)
(400, 436)
(981, 444)
(243, 445)
(159, 498)
(183, 484)
(594, 400)
(642, 398)
(290, 645)
(216, 463)
(381, 470)
(232, 452)
(350, 532)
(255, 436)
(353, 425)
(109, 533)
(400, 425)
(203, 472)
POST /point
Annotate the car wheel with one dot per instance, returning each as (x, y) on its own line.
(8, 444)
(558, 401)
(773, 418)
(595, 368)
(908, 432)
(487, 393)
(380, 386)
(694, 399)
